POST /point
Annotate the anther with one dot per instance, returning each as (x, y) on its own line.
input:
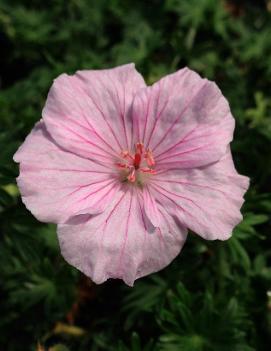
(131, 177)
(149, 158)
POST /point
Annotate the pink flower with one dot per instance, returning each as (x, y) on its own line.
(124, 169)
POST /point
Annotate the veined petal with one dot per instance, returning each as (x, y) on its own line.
(56, 184)
(184, 120)
(89, 112)
(206, 200)
(121, 242)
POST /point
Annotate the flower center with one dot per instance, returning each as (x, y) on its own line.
(136, 167)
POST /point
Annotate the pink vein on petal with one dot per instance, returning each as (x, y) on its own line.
(121, 109)
(82, 138)
(115, 207)
(180, 196)
(156, 121)
(79, 187)
(64, 170)
(184, 152)
(142, 216)
(126, 233)
(110, 189)
(162, 110)
(95, 192)
(146, 116)
(92, 129)
(177, 205)
(179, 142)
(192, 184)
(76, 190)
(180, 115)
(103, 116)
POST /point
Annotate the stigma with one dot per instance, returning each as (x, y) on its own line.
(137, 166)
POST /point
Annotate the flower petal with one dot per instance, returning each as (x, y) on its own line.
(89, 113)
(120, 242)
(206, 200)
(184, 120)
(56, 184)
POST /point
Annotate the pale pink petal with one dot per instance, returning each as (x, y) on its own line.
(206, 200)
(121, 242)
(184, 120)
(89, 112)
(56, 184)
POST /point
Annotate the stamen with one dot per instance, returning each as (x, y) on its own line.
(149, 158)
(131, 177)
(148, 170)
(125, 154)
(122, 165)
(135, 167)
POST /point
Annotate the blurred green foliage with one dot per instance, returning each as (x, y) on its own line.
(216, 296)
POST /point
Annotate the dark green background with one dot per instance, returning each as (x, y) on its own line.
(214, 296)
